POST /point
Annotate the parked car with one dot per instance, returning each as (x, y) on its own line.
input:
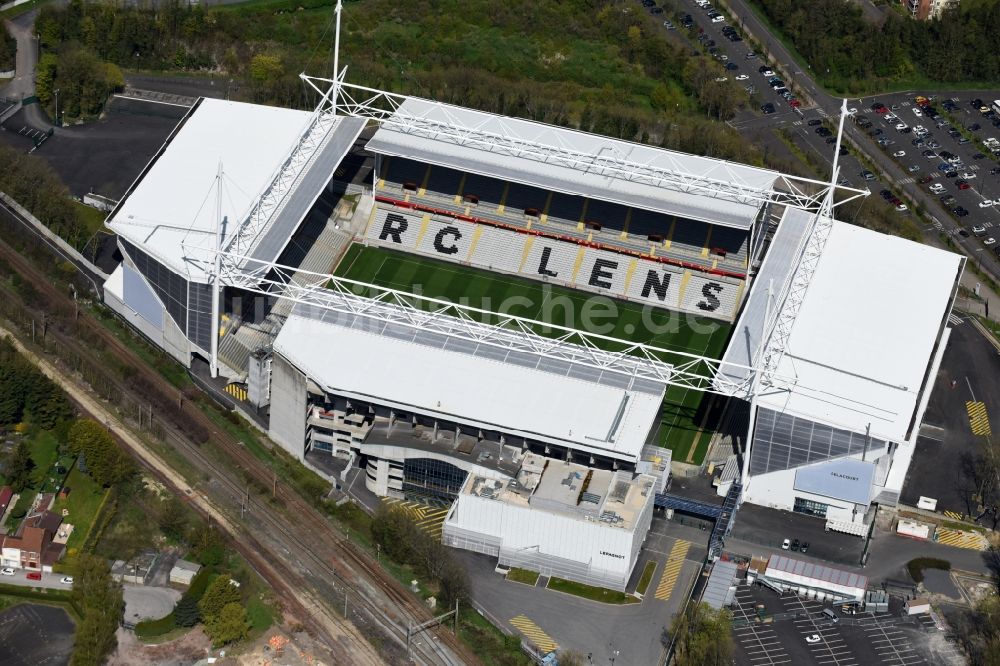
(6, 571)
(899, 153)
(804, 547)
(990, 241)
(968, 175)
(814, 122)
(34, 575)
(986, 203)
(785, 544)
(795, 545)
(961, 212)
(742, 77)
(979, 229)
(66, 580)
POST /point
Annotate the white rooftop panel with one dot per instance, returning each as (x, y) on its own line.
(174, 200)
(775, 273)
(470, 389)
(411, 133)
(861, 344)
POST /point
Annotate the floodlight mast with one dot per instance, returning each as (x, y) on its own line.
(336, 57)
(778, 331)
(216, 275)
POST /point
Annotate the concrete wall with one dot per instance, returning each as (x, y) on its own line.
(288, 406)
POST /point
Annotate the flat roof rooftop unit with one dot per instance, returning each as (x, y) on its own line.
(574, 491)
(862, 342)
(574, 162)
(172, 209)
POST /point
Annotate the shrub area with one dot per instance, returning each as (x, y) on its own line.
(917, 566)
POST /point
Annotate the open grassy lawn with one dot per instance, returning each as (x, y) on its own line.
(523, 576)
(83, 502)
(90, 216)
(601, 594)
(683, 409)
(44, 451)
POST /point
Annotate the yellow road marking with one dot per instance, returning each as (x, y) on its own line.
(961, 539)
(237, 391)
(672, 569)
(534, 634)
(979, 420)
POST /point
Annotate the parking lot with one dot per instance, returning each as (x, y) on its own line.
(789, 629)
(32, 634)
(941, 143)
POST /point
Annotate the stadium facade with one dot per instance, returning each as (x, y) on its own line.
(540, 443)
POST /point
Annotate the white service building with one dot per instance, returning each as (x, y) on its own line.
(557, 518)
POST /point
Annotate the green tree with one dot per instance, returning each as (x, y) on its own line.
(228, 626)
(46, 403)
(219, 594)
(186, 612)
(265, 68)
(19, 467)
(207, 546)
(107, 464)
(45, 76)
(702, 637)
(99, 598)
(173, 520)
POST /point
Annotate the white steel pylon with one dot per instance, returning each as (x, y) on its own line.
(778, 327)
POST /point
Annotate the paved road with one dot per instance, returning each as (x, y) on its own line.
(49, 580)
(22, 85)
(148, 603)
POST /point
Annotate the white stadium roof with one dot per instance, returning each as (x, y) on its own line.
(861, 345)
(171, 210)
(572, 162)
(483, 387)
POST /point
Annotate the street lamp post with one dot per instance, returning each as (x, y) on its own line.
(57, 108)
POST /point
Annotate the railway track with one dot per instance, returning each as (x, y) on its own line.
(326, 549)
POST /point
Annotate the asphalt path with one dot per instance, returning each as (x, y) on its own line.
(22, 85)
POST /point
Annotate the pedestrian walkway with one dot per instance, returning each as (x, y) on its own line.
(534, 634)
(672, 569)
(979, 421)
(961, 539)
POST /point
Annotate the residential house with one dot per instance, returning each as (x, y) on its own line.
(25, 550)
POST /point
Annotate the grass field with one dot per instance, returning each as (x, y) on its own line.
(683, 409)
(82, 503)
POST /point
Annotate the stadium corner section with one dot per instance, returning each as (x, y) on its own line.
(685, 413)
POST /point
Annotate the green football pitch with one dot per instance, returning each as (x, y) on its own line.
(683, 409)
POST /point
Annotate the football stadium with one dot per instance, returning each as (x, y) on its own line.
(529, 324)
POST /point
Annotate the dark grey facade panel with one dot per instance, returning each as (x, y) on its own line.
(200, 315)
(140, 297)
(782, 441)
(169, 287)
